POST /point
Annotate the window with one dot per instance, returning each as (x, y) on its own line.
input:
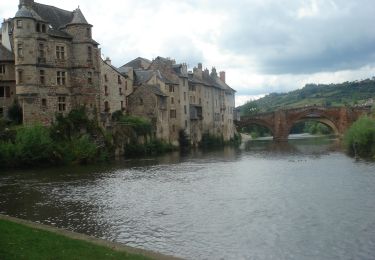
(2, 69)
(20, 76)
(172, 113)
(140, 101)
(122, 105)
(185, 109)
(42, 78)
(186, 124)
(88, 32)
(20, 50)
(44, 103)
(183, 82)
(106, 106)
(38, 27)
(126, 85)
(172, 100)
(185, 96)
(61, 77)
(41, 50)
(5, 92)
(120, 91)
(89, 53)
(44, 28)
(105, 78)
(89, 77)
(119, 79)
(60, 52)
(62, 104)
(19, 24)
(171, 88)
(106, 90)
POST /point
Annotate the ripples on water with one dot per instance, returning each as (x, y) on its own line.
(302, 200)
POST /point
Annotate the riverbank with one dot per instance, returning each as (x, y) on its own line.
(21, 239)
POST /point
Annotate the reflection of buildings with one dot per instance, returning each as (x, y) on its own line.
(51, 64)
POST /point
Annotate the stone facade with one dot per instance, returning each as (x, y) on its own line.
(50, 64)
(56, 62)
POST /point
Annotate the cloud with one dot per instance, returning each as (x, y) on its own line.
(264, 45)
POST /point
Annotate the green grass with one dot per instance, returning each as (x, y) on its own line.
(22, 242)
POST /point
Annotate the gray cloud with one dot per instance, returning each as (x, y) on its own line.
(339, 36)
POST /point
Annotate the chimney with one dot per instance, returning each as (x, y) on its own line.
(213, 72)
(222, 76)
(27, 3)
(108, 61)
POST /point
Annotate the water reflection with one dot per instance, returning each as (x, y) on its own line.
(298, 200)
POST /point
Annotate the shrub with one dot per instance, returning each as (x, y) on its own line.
(141, 125)
(360, 138)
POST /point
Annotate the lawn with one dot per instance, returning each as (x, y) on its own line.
(21, 242)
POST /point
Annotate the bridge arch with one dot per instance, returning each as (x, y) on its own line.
(258, 122)
(314, 114)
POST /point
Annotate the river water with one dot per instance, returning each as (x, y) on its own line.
(304, 199)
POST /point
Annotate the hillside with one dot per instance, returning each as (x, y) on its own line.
(347, 93)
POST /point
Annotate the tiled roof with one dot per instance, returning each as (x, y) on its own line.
(5, 54)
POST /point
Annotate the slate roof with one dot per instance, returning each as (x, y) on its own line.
(55, 16)
(156, 90)
(78, 17)
(5, 54)
(142, 76)
(137, 63)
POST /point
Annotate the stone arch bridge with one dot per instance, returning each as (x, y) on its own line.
(281, 122)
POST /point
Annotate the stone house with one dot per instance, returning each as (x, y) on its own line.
(50, 64)
(150, 99)
(115, 87)
(7, 80)
(56, 61)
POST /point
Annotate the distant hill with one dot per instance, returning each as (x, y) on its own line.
(347, 93)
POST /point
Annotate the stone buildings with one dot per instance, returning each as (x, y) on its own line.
(56, 61)
(50, 64)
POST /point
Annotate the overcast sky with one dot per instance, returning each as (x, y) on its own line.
(263, 45)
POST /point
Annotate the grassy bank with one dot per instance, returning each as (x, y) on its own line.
(21, 242)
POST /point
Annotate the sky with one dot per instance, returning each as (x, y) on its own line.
(264, 46)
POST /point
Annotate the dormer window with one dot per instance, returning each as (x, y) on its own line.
(44, 28)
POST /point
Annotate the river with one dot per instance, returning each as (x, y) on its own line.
(304, 199)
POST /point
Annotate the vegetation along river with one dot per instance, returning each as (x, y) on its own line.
(304, 199)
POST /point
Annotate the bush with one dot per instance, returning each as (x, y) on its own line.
(360, 138)
(153, 147)
(142, 126)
